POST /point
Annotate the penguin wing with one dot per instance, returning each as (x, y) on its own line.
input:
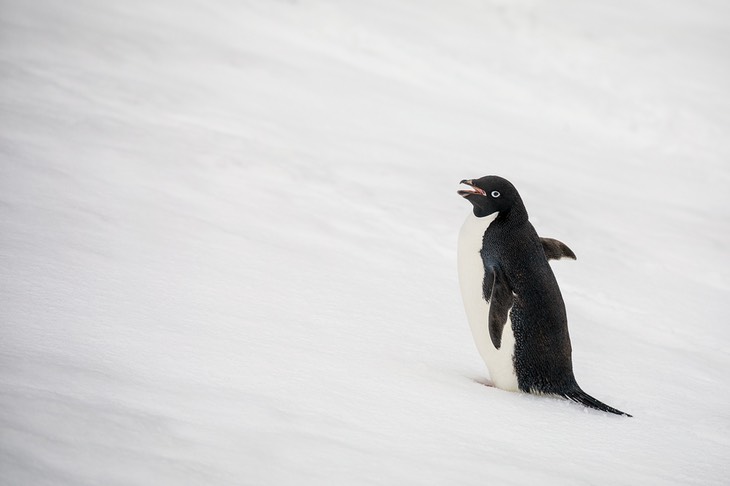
(498, 293)
(555, 250)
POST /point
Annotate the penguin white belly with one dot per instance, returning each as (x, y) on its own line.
(500, 361)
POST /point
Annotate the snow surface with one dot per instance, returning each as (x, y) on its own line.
(228, 230)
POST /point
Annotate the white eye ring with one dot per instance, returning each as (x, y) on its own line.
(495, 194)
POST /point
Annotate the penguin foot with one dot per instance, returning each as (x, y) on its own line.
(484, 381)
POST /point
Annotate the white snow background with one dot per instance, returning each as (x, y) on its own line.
(228, 232)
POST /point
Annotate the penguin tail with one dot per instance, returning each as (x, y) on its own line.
(583, 398)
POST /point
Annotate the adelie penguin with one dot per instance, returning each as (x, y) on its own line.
(512, 300)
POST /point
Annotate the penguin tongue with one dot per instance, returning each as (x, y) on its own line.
(469, 192)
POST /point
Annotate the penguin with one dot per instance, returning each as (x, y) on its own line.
(511, 297)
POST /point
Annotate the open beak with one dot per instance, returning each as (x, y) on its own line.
(469, 192)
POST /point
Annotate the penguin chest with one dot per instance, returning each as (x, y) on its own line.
(500, 362)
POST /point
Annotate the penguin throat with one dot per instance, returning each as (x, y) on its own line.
(515, 215)
(480, 213)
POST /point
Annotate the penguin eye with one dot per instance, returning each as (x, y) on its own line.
(495, 194)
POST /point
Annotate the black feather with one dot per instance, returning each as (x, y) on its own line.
(556, 249)
(583, 398)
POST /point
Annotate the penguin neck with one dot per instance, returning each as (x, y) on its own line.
(514, 216)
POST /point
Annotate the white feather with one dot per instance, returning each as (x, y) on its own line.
(500, 361)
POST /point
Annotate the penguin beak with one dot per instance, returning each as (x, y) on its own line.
(474, 189)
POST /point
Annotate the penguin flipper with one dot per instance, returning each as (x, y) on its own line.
(583, 398)
(501, 298)
(556, 249)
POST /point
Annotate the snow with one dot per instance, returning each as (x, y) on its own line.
(228, 239)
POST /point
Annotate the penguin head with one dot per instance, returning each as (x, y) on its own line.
(491, 194)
